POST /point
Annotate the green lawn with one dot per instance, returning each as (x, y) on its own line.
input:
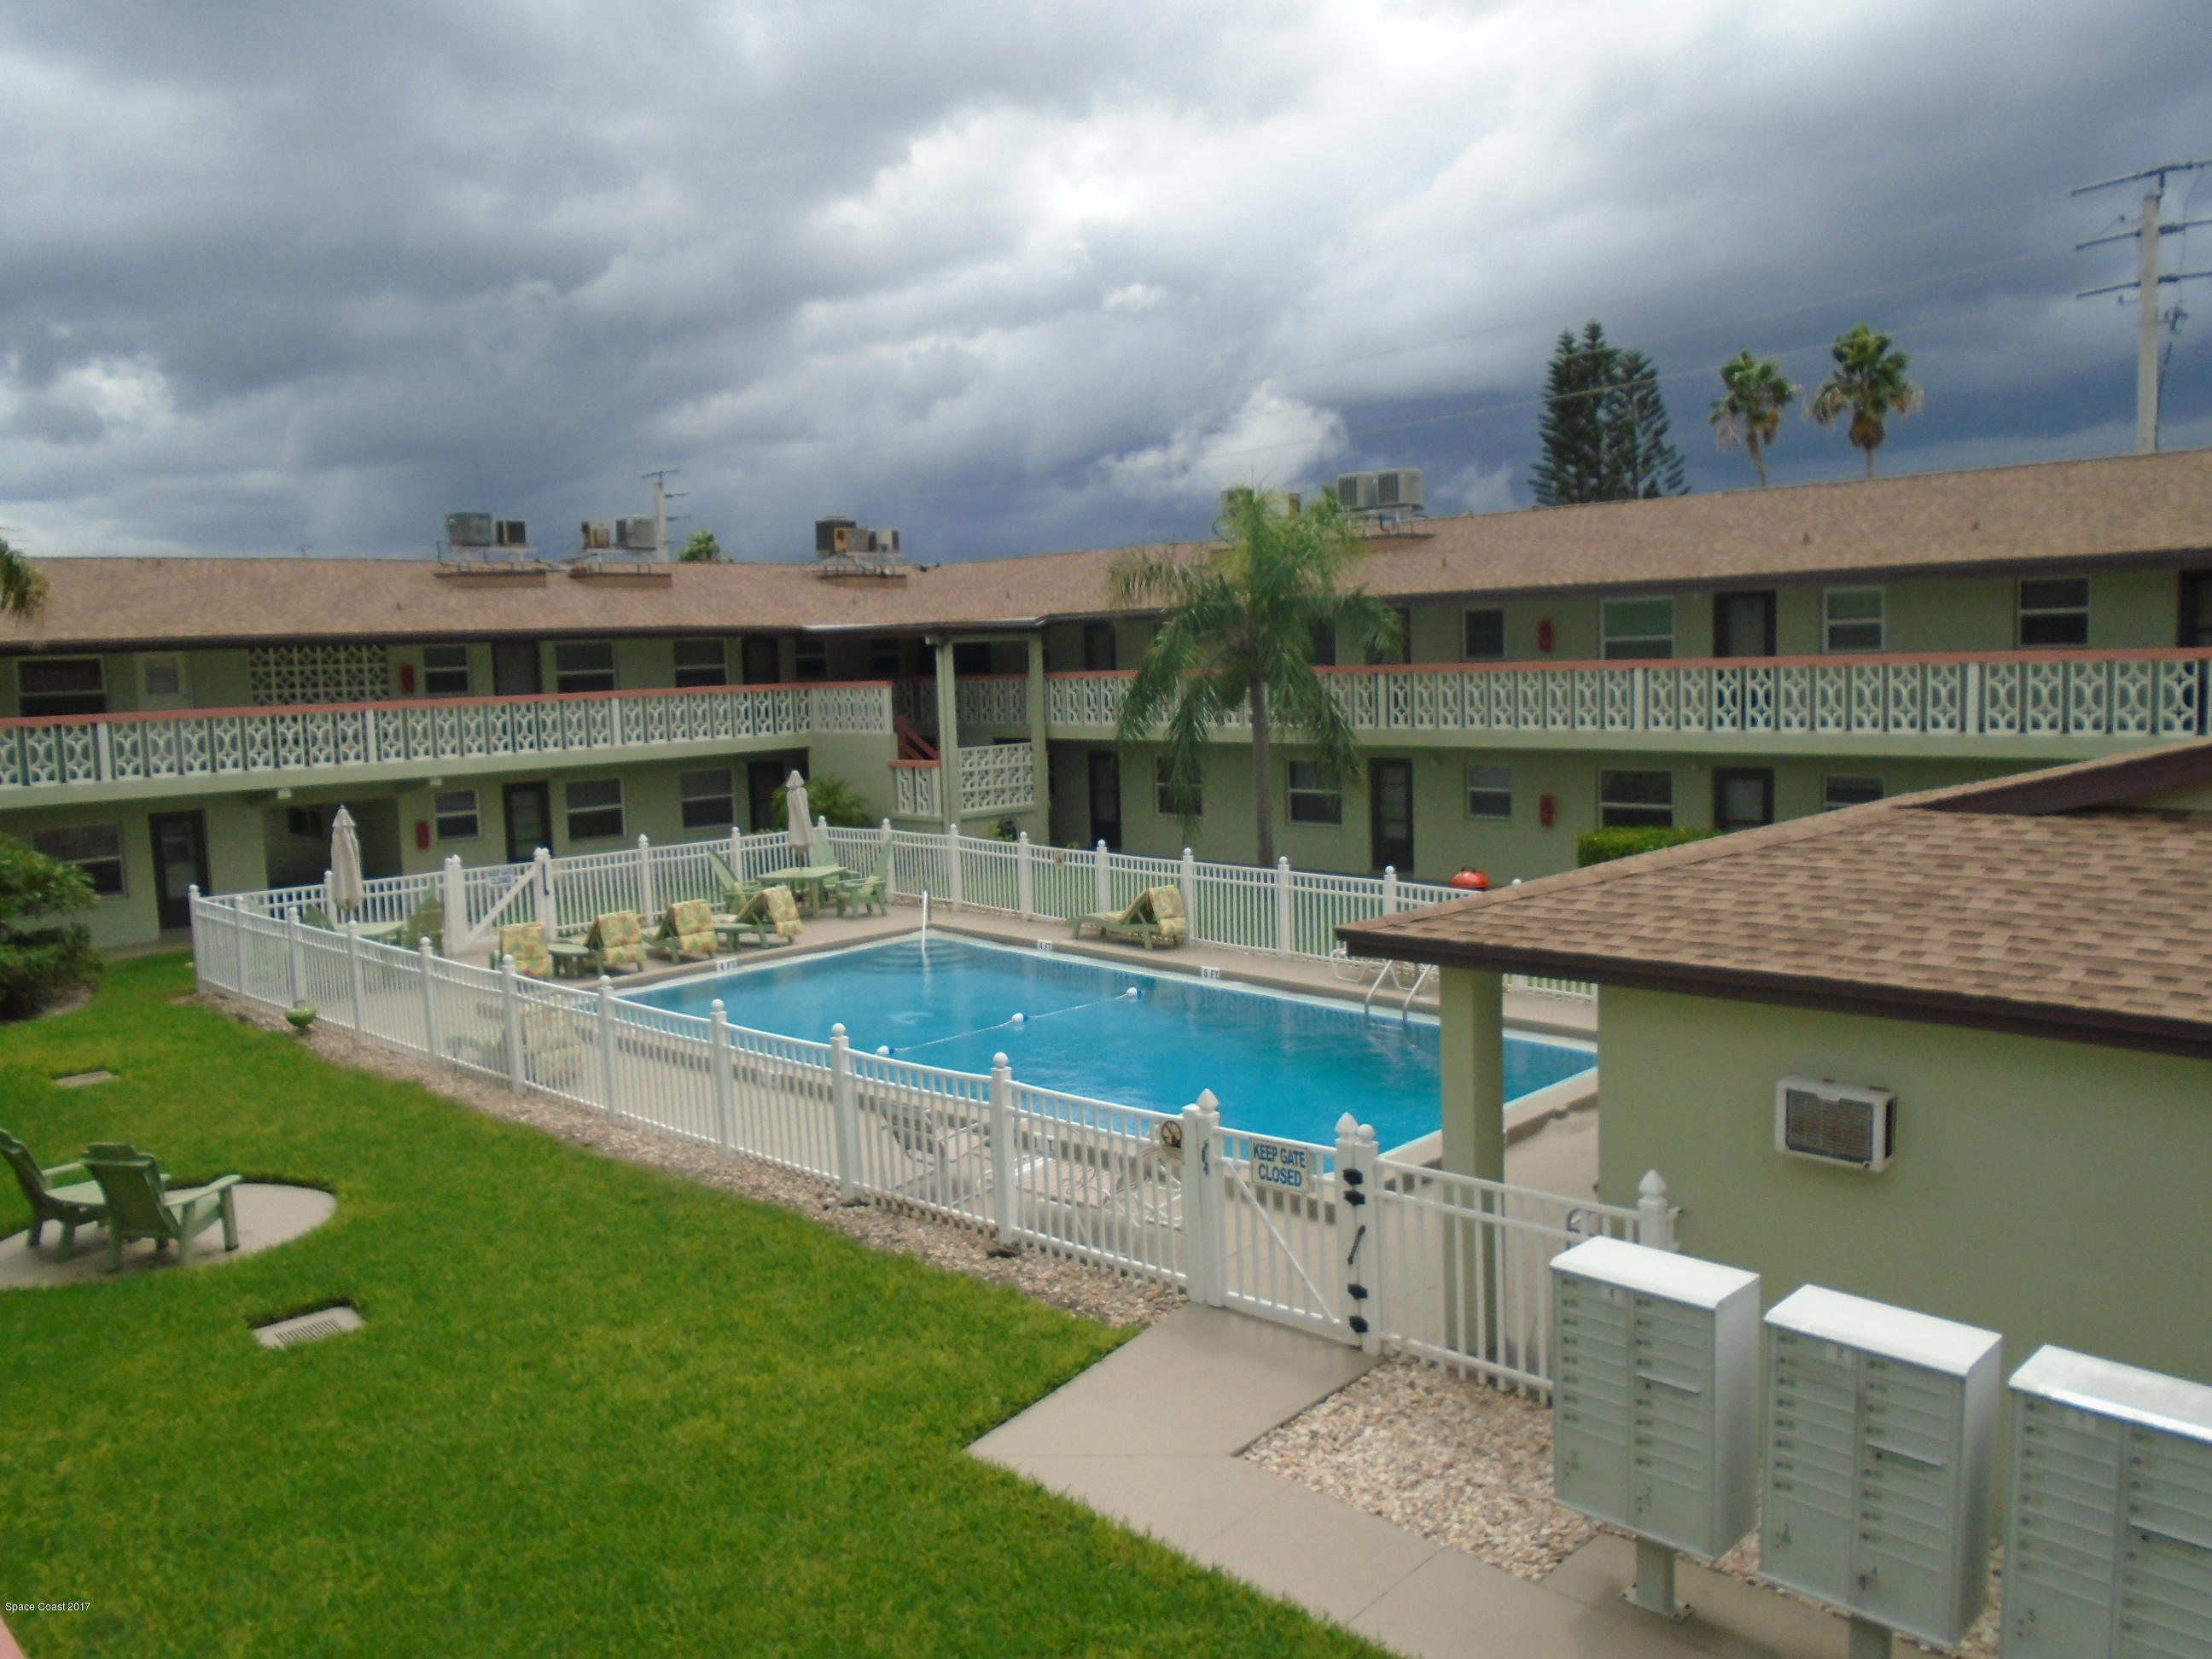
(596, 1410)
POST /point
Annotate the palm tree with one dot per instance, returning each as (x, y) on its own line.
(1868, 383)
(1758, 394)
(22, 584)
(1238, 634)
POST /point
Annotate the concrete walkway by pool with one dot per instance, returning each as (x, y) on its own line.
(1152, 1436)
(268, 1215)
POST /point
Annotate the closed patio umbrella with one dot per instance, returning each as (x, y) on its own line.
(346, 890)
(798, 813)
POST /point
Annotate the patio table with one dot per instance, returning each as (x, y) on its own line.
(806, 880)
(570, 959)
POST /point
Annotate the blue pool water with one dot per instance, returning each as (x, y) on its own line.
(1279, 1065)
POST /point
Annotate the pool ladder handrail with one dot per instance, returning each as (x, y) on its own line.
(1381, 972)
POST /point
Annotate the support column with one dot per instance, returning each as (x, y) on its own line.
(1471, 1010)
(948, 730)
(1040, 773)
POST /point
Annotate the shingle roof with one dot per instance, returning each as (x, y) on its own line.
(2147, 507)
(1975, 904)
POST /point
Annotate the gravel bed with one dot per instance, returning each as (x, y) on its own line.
(1095, 1294)
(1465, 1465)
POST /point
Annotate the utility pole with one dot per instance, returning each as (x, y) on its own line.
(2150, 230)
(662, 497)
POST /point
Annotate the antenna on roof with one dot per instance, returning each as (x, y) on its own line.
(662, 497)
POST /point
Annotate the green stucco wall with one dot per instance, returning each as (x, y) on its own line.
(2050, 1190)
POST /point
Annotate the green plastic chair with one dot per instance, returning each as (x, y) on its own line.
(139, 1205)
(855, 891)
(63, 1195)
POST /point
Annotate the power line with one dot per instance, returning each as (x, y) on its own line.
(2150, 232)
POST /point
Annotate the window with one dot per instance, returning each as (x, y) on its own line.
(1324, 646)
(95, 848)
(1172, 801)
(1489, 792)
(1317, 795)
(1485, 635)
(971, 658)
(584, 665)
(305, 822)
(445, 671)
(1403, 651)
(710, 800)
(886, 659)
(1636, 628)
(809, 659)
(702, 662)
(1626, 799)
(2055, 611)
(1839, 791)
(47, 686)
(454, 813)
(1852, 619)
(161, 680)
(1098, 646)
(595, 810)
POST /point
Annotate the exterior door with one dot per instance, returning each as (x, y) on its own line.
(515, 671)
(2197, 607)
(180, 864)
(1743, 625)
(1390, 814)
(763, 780)
(1105, 797)
(760, 659)
(1743, 797)
(529, 819)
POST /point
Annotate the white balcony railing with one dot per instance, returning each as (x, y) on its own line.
(996, 777)
(218, 743)
(2093, 694)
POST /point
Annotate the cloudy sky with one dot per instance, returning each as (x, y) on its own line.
(1019, 278)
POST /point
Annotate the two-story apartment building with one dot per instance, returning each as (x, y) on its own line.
(1725, 660)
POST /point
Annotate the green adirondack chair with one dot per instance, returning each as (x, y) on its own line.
(64, 1194)
(139, 1205)
(853, 890)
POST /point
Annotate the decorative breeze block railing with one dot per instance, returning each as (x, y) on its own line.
(996, 777)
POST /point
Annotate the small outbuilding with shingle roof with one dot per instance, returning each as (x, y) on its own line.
(2024, 967)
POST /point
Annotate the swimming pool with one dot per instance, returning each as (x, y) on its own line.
(1279, 1065)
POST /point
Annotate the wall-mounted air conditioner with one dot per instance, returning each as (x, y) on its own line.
(510, 533)
(468, 529)
(1836, 1122)
(636, 535)
(598, 535)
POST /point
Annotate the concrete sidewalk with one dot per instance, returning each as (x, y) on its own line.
(1152, 1436)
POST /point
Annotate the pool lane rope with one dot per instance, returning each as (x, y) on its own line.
(1015, 1023)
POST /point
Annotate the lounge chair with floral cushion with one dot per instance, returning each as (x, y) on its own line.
(525, 942)
(770, 916)
(687, 932)
(1155, 919)
(616, 944)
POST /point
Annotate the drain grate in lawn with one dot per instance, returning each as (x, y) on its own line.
(311, 1327)
(80, 1079)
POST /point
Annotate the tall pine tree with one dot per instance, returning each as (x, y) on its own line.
(1604, 426)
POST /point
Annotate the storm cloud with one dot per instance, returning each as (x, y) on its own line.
(1015, 279)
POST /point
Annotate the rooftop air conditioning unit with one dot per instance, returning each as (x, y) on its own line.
(598, 535)
(637, 535)
(468, 529)
(1835, 1123)
(1356, 491)
(883, 541)
(1400, 489)
(510, 533)
(832, 536)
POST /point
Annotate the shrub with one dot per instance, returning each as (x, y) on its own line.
(39, 965)
(833, 799)
(1603, 846)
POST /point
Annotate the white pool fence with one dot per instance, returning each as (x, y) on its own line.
(1335, 1239)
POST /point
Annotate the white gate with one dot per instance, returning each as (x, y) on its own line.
(1264, 1228)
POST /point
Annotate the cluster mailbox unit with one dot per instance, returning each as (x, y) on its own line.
(2109, 1550)
(1881, 1429)
(1655, 1401)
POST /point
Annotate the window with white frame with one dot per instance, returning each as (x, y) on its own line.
(584, 665)
(1484, 635)
(48, 686)
(1630, 799)
(95, 848)
(809, 659)
(1636, 628)
(1489, 791)
(702, 662)
(1852, 619)
(2054, 611)
(445, 670)
(1317, 794)
(453, 814)
(710, 799)
(1175, 803)
(595, 809)
(1840, 789)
